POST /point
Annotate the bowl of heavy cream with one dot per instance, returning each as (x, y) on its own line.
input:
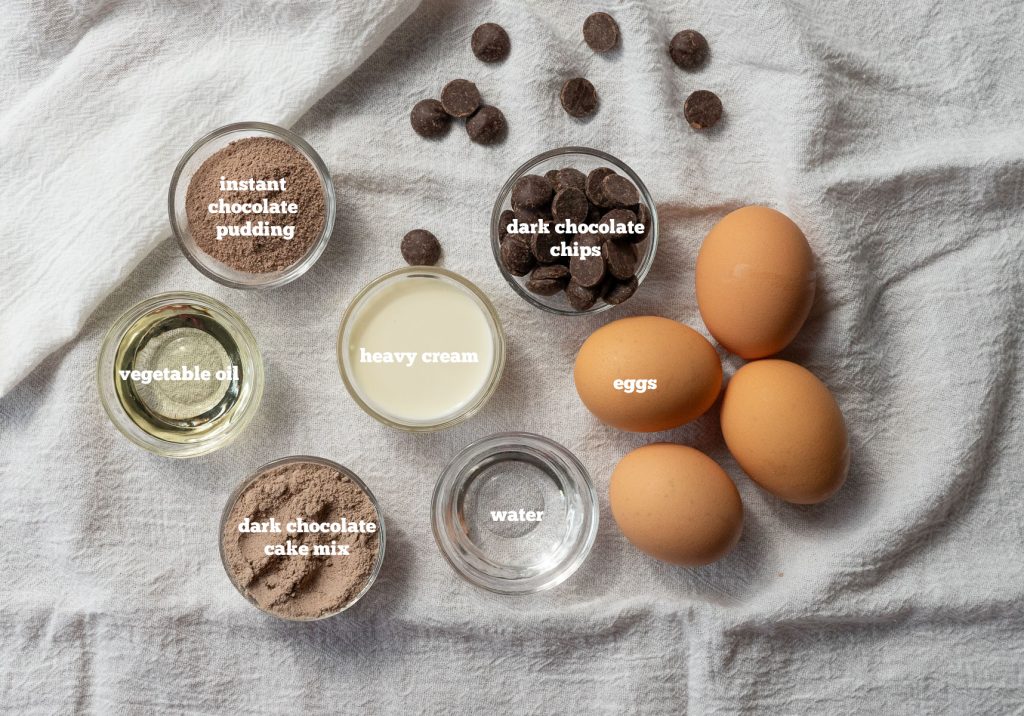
(421, 348)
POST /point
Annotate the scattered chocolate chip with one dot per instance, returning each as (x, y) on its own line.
(702, 109)
(581, 297)
(570, 177)
(490, 43)
(624, 217)
(594, 180)
(579, 98)
(541, 245)
(420, 248)
(570, 204)
(504, 219)
(688, 49)
(616, 292)
(429, 119)
(532, 191)
(516, 255)
(618, 191)
(620, 258)
(460, 98)
(588, 271)
(601, 32)
(548, 280)
(486, 126)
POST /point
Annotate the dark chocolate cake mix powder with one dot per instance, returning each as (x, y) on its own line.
(297, 587)
(258, 158)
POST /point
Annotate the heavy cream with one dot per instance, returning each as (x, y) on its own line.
(420, 347)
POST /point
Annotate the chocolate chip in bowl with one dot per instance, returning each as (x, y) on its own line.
(574, 230)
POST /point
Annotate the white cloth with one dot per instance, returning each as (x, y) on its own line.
(891, 133)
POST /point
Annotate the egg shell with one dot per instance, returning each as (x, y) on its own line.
(676, 504)
(684, 364)
(755, 281)
(786, 431)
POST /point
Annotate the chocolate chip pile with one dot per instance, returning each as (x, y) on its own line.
(460, 99)
(597, 264)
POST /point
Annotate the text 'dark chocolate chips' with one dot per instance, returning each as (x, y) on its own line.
(570, 205)
(486, 126)
(548, 280)
(582, 298)
(532, 191)
(702, 109)
(588, 271)
(620, 259)
(578, 97)
(618, 191)
(429, 119)
(623, 217)
(490, 43)
(460, 98)
(601, 32)
(593, 186)
(516, 255)
(420, 248)
(688, 49)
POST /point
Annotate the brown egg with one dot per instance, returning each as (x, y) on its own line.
(785, 430)
(755, 281)
(676, 504)
(647, 373)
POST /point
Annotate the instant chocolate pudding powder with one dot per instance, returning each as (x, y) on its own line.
(295, 586)
(256, 205)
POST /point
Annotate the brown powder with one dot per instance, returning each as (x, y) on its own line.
(257, 158)
(300, 587)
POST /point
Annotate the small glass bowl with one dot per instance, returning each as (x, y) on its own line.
(212, 431)
(392, 279)
(381, 532)
(547, 489)
(189, 165)
(585, 159)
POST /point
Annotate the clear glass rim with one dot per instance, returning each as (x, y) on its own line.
(652, 240)
(451, 483)
(208, 266)
(248, 351)
(497, 333)
(248, 480)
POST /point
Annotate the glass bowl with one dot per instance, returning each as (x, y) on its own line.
(190, 164)
(381, 532)
(585, 159)
(386, 291)
(515, 513)
(132, 405)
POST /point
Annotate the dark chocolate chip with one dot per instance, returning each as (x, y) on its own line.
(490, 43)
(504, 220)
(588, 271)
(643, 215)
(570, 177)
(618, 191)
(516, 255)
(581, 297)
(601, 32)
(420, 248)
(616, 292)
(688, 49)
(579, 98)
(594, 180)
(548, 280)
(552, 175)
(541, 245)
(460, 98)
(595, 214)
(486, 126)
(624, 217)
(702, 109)
(532, 191)
(429, 119)
(570, 204)
(620, 257)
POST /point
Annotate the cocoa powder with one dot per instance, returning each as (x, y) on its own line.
(260, 158)
(300, 587)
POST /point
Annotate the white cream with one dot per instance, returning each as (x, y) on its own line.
(419, 350)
